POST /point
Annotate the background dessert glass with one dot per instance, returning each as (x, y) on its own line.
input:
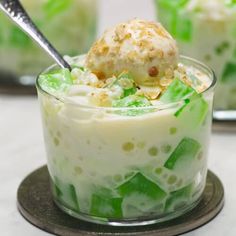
(21, 59)
(209, 36)
(128, 166)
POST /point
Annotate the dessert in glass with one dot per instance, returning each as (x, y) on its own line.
(127, 130)
(59, 20)
(206, 30)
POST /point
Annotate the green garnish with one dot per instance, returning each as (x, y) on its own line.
(126, 82)
(132, 101)
(229, 73)
(194, 111)
(53, 8)
(59, 80)
(222, 47)
(140, 185)
(178, 24)
(106, 203)
(176, 91)
(187, 149)
(18, 38)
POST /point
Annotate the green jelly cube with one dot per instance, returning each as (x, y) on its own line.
(229, 74)
(187, 149)
(130, 90)
(53, 8)
(194, 111)
(178, 197)
(65, 193)
(140, 185)
(184, 28)
(168, 18)
(172, 3)
(173, 19)
(18, 38)
(133, 101)
(1, 37)
(56, 81)
(230, 3)
(176, 91)
(106, 206)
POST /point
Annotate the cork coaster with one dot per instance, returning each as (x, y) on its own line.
(35, 203)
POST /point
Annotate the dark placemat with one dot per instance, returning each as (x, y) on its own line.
(224, 121)
(12, 84)
(36, 205)
(224, 126)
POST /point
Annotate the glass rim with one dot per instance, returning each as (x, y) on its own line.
(158, 106)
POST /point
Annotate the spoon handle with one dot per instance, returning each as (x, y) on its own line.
(16, 12)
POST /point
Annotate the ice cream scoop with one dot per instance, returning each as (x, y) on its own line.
(144, 49)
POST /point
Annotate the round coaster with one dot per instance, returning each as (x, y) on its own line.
(36, 205)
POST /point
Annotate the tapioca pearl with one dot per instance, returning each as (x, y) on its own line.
(179, 183)
(54, 161)
(173, 130)
(171, 188)
(129, 175)
(93, 173)
(56, 141)
(158, 170)
(172, 179)
(51, 133)
(200, 156)
(78, 170)
(58, 134)
(117, 178)
(166, 148)
(153, 151)
(165, 176)
(128, 147)
(141, 145)
(207, 57)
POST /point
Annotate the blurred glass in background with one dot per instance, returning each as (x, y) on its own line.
(69, 24)
(206, 30)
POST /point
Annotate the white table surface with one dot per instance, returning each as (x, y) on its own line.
(22, 148)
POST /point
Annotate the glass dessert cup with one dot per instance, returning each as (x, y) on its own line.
(75, 19)
(128, 166)
(210, 40)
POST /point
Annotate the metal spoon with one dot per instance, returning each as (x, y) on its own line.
(16, 12)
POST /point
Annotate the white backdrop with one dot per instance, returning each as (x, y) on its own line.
(116, 11)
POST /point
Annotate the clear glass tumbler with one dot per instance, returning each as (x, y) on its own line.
(62, 21)
(128, 166)
(206, 30)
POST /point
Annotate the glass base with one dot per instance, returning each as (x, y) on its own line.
(140, 221)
